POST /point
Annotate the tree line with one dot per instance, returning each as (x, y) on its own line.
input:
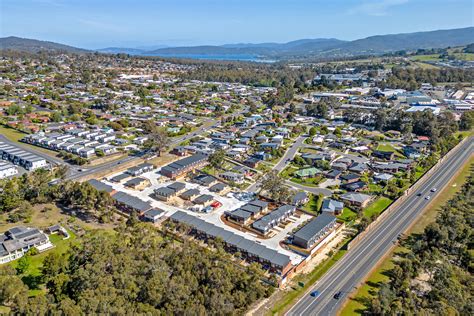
(435, 276)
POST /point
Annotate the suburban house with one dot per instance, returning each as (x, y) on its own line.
(169, 192)
(307, 172)
(272, 219)
(300, 198)
(152, 215)
(190, 194)
(307, 236)
(332, 206)
(138, 183)
(358, 200)
(16, 241)
(140, 169)
(181, 167)
(232, 177)
(269, 258)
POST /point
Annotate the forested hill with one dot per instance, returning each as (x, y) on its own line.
(379, 44)
(299, 49)
(33, 46)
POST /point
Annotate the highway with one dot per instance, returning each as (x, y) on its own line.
(356, 264)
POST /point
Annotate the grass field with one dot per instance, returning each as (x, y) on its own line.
(355, 305)
(432, 57)
(11, 134)
(377, 207)
(14, 135)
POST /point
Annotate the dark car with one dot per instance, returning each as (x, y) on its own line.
(314, 294)
(338, 295)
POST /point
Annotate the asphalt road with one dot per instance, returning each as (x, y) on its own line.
(284, 161)
(357, 263)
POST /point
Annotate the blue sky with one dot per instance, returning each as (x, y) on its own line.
(133, 23)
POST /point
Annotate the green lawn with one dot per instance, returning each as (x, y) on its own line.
(288, 171)
(31, 275)
(11, 134)
(388, 147)
(311, 206)
(347, 215)
(309, 182)
(377, 206)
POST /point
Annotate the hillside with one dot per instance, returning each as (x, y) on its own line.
(33, 46)
(378, 44)
(299, 49)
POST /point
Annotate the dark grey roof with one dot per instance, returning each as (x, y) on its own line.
(308, 231)
(134, 181)
(190, 193)
(270, 220)
(251, 208)
(185, 162)
(165, 191)
(203, 199)
(100, 186)
(153, 212)
(261, 204)
(233, 239)
(131, 201)
(177, 186)
(217, 187)
(120, 177)
(239, 213)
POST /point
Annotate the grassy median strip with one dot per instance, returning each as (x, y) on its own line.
(355, 304)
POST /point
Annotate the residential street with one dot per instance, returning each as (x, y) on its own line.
(353, 268)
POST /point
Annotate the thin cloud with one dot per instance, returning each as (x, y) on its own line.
(376, 7)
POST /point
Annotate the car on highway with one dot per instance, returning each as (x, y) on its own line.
(418, 194)
(428, 197)
(314, 294)
(433, 190)
(338, 295)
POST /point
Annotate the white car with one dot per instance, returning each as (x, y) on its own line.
(433, 190)
(428, 197)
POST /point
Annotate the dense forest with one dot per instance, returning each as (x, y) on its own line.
(412, 78)
(435, 276)
(136, 271)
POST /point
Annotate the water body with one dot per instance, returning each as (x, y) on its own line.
(236, 57)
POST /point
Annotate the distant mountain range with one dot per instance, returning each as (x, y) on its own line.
(299, 49)
(32, 45)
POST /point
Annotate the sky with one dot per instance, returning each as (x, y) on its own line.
(136, 23)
